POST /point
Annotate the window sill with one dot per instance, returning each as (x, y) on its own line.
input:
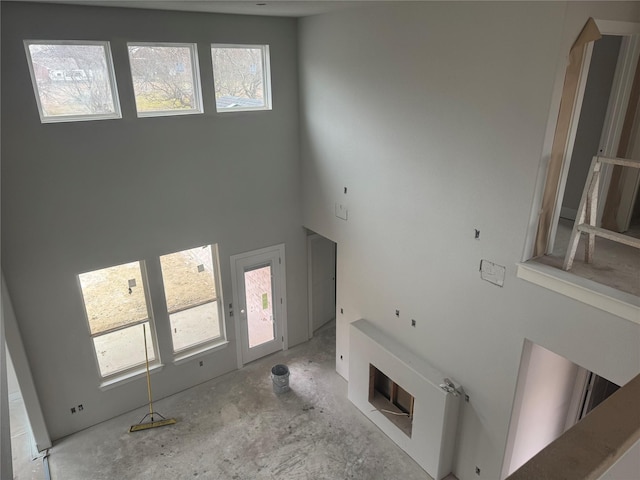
(129, 376)
(201, 351)
(621, 304)
(169, 113)
(243, 109)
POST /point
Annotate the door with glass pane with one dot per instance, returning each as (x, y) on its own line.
(259, 303)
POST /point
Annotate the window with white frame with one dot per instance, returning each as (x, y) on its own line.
(191, 287)
(241, 76)
(117, 309)
(166, 78)
(73, 80)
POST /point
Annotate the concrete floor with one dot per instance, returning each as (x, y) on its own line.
(235, 427)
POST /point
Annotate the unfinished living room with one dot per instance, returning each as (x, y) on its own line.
(320, 240)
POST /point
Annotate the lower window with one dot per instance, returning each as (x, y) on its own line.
(117, 309)
(190, 279)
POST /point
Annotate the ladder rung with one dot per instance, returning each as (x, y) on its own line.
(624, 162)
(608, 234)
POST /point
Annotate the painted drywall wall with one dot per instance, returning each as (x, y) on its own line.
(627, 466)
(594, 109)
(547, 388)
(6, 462)
(12, 381)
(82, 196)
(18, 355)
(434, 116)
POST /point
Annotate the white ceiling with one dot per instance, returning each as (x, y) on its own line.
(286, 8)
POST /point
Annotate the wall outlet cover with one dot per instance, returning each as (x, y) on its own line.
(492, 272)
(342, 211)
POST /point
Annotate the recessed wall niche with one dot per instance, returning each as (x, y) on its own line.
(390, 399)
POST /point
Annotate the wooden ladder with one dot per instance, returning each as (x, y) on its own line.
(588, 211)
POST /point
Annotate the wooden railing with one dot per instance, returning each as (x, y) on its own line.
(589, 448)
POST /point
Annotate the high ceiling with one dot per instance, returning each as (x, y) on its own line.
(286, 8)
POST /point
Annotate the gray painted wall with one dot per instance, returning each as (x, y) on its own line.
(434, 116)
(546, 383)
(6, 461)
(82, 196)
(594, 109)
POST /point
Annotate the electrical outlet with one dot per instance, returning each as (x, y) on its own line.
(477, 234)
(466, 398)
(413, 322)
(201, 363)
(341, 311)
(73, 409)
(477, 471)
(80, 408)
(397, 313)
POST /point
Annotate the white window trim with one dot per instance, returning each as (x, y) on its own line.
(135, 370)
(130, 376)
(195, 73)
(194, 353)
(266, 77)
(206, 346)
(76, 118)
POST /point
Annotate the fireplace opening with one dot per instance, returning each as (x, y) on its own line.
(390, 399)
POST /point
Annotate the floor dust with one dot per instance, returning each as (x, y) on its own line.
(235, 427)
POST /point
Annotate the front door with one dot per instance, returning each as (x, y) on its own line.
(258, 284)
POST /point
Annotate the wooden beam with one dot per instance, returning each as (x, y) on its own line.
(594, 444)
(609, 235)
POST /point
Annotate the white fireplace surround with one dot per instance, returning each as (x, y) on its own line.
(435, 415)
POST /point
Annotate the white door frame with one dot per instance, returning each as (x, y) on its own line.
(276, 254)
(606, 27)
(614, 119)
(629, 183)
(568, 152)
(617, 110)
(311, 239)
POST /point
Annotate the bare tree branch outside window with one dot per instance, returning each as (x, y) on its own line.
(238, 77)
(163, 78)
(72, 79)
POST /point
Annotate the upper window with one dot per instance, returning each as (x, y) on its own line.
(166, 78)
(241, 77)
(73, 80)
(191, 291)
(116, 306)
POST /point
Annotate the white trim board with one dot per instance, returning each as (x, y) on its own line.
(610, 300)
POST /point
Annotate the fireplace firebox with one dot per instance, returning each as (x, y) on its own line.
(390, 399)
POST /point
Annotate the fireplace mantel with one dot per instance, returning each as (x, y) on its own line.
(435, 410)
